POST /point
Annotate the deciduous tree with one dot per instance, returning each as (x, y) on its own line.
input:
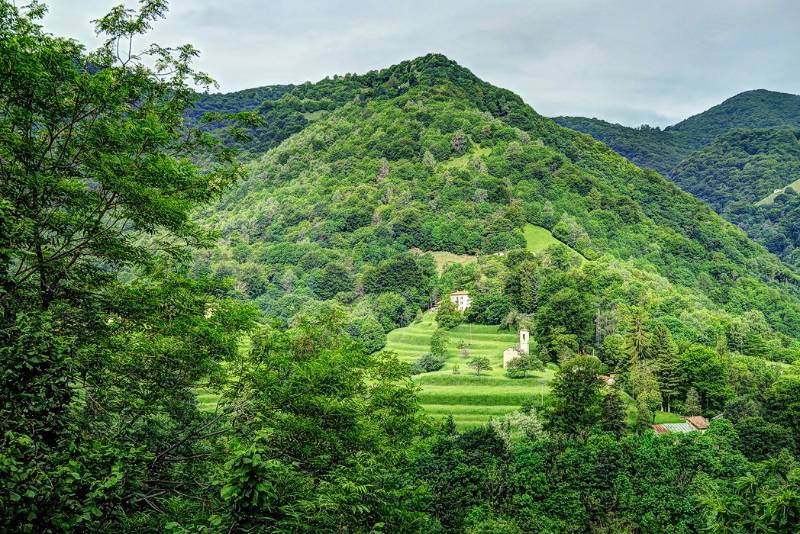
(480, 363)
(577, 401)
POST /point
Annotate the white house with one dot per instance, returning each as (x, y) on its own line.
(461, 300)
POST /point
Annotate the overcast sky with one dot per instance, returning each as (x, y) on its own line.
(627, 61)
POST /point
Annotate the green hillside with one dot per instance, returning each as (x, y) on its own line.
(330, 212)
(537, 238)
(732, 156)
(645, 146)
(664, 149)
(751, 109)
(748, 176)
(741, 166)
(788, 189)
(390, 201)
(470, 399)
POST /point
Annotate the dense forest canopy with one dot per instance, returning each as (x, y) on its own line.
(434, 169)
(732, 156)
(159, 244)
(752, 109)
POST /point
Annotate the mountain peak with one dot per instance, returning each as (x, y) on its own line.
(757, 108)
(287, 110)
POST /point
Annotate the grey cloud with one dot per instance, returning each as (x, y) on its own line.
(626, 61)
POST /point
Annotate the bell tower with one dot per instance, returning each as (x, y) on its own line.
(524, 336)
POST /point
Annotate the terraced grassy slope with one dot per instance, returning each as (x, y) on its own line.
(207, 399)
(470, 399)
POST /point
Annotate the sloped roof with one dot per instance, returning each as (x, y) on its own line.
(698, 421)
(679, 427)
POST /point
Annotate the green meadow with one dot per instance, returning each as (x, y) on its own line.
(456, 390)
(770, 199)
(538, 238)
(443, 259)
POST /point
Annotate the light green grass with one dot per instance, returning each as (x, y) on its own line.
(207, 399)
(666, 417)
(462, 161)
(315, 115)
(470, 399)
(661, 417)
(769, 199)
(538, 238)
(443, 259)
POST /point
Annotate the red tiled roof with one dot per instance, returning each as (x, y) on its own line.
(660, 429)
(698, 421)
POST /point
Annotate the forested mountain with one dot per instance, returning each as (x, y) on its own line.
(663, 149)
(288, 109)
(732, 156)
(193, 339)
(646, 146)
(341, 217)
(742, 166)
(752, 109)
(244, 100)
(430, 157)
(749, 176)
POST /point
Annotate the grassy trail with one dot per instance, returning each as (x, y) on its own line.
(470, 399)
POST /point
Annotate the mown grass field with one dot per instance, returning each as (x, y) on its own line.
(666, 417)
(207, 399)
(538, 238)
(769, 199)
(462, 161)
(470, 399)
(443, 259)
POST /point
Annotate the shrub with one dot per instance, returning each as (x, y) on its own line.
(427, 363)
(439, 341)
(760, 439)
(519, 366)
(480, 363)
(369, 331)
(448, 315)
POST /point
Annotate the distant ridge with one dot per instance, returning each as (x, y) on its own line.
(732, 155)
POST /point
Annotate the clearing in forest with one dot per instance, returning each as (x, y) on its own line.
(538, 238)
(470, 399)
(769, 199)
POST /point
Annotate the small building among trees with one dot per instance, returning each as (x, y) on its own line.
(461, 299)
(520, 350)
(695, 423)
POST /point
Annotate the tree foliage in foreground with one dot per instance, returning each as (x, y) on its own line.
(106, 337)
(97, 417)
(323, 436)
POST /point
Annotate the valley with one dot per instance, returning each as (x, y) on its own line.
(400, 300)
